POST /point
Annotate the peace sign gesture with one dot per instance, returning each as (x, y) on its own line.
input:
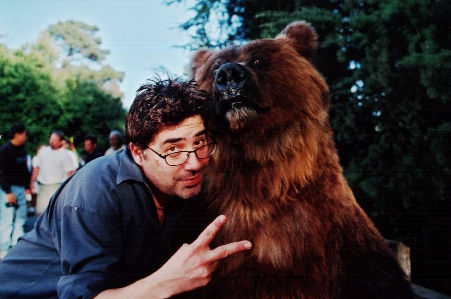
(193, 264)
(189, 268)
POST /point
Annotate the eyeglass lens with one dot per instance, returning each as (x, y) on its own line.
(180, 157)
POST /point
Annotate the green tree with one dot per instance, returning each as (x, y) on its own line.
(28, 96)
(76, 37)
(72, 49)
(388, 64)
(75, 97)
(89, 110)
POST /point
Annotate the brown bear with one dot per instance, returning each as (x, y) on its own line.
(276, 176)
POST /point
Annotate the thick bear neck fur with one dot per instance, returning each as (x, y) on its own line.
(256, 180)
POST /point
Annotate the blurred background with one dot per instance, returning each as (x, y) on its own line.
(75, 66)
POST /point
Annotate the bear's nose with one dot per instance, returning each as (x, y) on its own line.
(231, 77)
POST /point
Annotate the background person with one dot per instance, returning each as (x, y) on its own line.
(53, 166)
(113, 229)
(14, 184)
(90, 153)
(116, 142)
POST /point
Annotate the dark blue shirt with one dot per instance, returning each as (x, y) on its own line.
(100, 231)
(13, 167)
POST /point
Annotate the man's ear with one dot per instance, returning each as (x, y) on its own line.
(137, 154)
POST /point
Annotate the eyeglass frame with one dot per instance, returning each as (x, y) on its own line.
(188, 153)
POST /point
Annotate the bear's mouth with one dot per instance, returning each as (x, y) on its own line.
(239, 112)
(226, 103)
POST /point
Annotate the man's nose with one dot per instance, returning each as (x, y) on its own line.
(193, 163)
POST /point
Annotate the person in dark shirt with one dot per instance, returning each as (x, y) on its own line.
(90, 153)
(14, 184)
(129, 225)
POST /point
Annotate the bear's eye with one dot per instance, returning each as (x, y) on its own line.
(255, 62)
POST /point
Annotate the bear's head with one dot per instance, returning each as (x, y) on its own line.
(267, 85)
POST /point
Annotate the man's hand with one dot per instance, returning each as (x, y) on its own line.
(189, 268)
(10, 198)
(193, 264)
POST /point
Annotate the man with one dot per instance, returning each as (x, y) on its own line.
(115, 143)
(54, 165)
(113, 229)
(91, 151)
(14, 183)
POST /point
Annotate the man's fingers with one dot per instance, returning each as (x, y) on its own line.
(210, 232)
(228, 249)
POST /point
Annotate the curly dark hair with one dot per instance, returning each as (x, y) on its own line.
(160, 103)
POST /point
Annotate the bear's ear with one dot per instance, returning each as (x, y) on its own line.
(199, 58)
(302, 37)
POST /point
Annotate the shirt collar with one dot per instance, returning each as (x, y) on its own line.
(128, 169)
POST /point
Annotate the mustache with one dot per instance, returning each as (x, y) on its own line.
(191, 174)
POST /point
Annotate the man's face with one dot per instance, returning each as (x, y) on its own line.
(22, 137)
(55, 141)
(89, 146)
(114, 141)
(182, 180)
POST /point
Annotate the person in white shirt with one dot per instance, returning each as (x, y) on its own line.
(53, 165)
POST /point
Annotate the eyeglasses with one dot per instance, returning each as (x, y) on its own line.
(178, 158)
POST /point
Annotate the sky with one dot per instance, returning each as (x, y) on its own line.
(141, 35)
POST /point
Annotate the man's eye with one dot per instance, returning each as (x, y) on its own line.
(172, 149)
(200, 142)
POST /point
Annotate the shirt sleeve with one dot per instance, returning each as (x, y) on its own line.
(89, 245)
(34, 162)
(68, 163)
(38, 158)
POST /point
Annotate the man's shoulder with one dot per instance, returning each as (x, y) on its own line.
(46, 150)
(91, 185)
(5, 146)
(107, 172)
(101, 167)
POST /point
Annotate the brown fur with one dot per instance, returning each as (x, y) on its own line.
(277, 177)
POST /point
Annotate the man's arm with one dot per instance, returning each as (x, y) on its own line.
(189, 268)
(70, 166)
(34, 177)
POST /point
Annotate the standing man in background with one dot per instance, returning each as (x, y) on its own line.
(14, 183)
(53, 165)
(116, 143)
(91, 151)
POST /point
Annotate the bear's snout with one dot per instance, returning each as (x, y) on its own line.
(230, 78)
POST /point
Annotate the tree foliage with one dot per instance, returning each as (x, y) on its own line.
(89, 110)
(388, 64)
(27, 95)
(76, 37)
(71, 49)
(44, 94)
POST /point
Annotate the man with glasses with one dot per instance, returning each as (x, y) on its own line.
(116, 228)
